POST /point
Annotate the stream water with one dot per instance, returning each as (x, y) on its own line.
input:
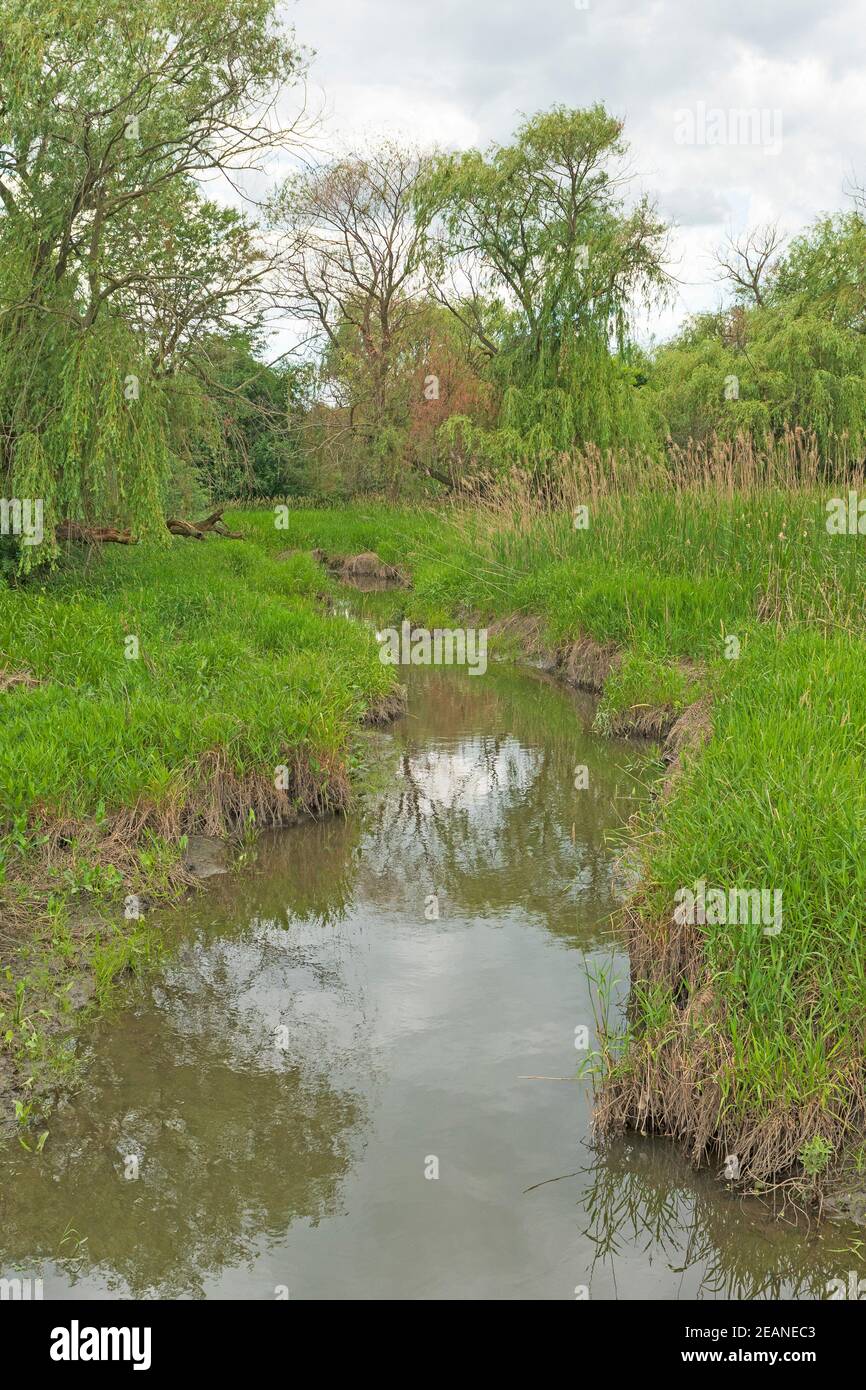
(354, 1075)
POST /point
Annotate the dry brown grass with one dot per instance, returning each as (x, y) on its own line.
(737, 467)
(682, 1082)
(686, 738)
(683, 1085)
(524, 629)
(386, 709)
(643, 721)
(587, 663)
(11, 680)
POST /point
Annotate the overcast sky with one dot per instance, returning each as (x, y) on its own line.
(457, 73)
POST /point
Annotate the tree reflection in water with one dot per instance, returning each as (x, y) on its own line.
(487, 814)
(720, 1244)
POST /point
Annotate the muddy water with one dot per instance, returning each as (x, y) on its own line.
(268, 1114)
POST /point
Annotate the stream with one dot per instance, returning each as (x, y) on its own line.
(354, 1074)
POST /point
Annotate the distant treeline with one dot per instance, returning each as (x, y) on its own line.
(457, 315)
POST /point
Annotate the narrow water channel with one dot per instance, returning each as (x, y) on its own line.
(354, 1076)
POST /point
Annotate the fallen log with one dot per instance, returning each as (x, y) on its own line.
(215, 522)
(191, 530)
(184, 528)
(89, 535)
(210, 521)
(197, 529)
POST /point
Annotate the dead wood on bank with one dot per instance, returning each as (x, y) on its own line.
(91, 535)
(190, 530)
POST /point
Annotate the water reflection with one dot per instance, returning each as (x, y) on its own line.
(492, 820)
(317, 1036)
(644, 1203)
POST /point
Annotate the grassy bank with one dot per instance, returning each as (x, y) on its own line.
(147, 695)
(740, 1041)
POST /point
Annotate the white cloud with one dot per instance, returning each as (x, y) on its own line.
(454, 73)
(362, 113)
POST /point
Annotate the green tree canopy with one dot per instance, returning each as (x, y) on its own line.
(533, 248)
(111, 261)
(794, 359)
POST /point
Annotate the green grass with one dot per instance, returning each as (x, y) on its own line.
(779, 799)
(235, 657)
(645, 681)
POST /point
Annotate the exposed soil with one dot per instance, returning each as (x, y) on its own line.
(366, 567)
(386, 709)
(528, 633)
(691, 731)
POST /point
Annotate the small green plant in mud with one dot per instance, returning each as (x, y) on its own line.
(95, 879)
(19, 841)
(22, 1116)
(63, 946)
(16, 837)
(119, 953)
(18, 1009)
(155, 871)
(815, 1156)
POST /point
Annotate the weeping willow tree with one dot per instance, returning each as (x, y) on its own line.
(112, 263)
(585, 393)
(85, 426)
(588, 395)
(792, 358)
(533, 248)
